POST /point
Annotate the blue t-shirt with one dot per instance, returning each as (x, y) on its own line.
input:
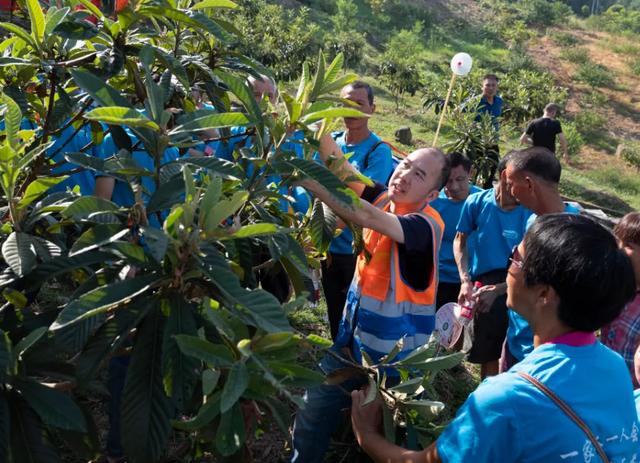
(519, 334)
(378, 167)
(122, 193)
(68, 141)
(494, 109)
(636, 394)
(507, 419)
(497, 231)
(450, 212)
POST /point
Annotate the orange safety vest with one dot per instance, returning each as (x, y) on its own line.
(374, 277)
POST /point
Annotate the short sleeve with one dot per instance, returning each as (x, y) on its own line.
(467, 221)
(529, 130)
(417, 232)
(558, 127)
(484, 428)
(379, 164)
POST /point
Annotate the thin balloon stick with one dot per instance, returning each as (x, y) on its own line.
(444, 108)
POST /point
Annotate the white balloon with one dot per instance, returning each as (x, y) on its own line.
(461, 64)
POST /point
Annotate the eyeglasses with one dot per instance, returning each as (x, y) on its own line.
(515, 259)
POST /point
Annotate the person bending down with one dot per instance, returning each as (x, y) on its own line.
(567, 278)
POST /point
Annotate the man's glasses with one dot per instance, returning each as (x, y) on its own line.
(515, 259)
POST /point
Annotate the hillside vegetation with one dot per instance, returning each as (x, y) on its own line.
(542, 51)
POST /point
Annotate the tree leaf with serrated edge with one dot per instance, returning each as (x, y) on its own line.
(211, 121)
(271, 341)
(167, 195)
(304, 81)
(295, 375)
(156, 241)
(319, 341)
(19, 253)
(216, 355)
(225, 208)
(372, 391)
(321, 226)
(29, 438)
(230, 435)
(318, 78)
(85, 206)
(146, 410)
(179, 370)
(55, 408)
(261, 307)
(37, 188)
(320, 174)
(12, 119)
(119, 115)
(63, 264)
(421, 353)
(408, 387)
(205, 415)
(54, 17)
(338, 84)
(214, 4)
(433, 364)
(221, 167)
(162, 13)
(27, 342)
(210, 378)
(259, 229)
(36, 18)
(294, 108)
(102, 299)
(234, 386)
(241, 90)
(97, 236)
(92, 8)
(333, 69)
(332, 113)
(20, 32)
(85, 160)
(210, 198)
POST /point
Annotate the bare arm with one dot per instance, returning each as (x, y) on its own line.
(525, 139)
(366, 421)
(564, 146)
(365, 215)
(104, 187)
(461, 255)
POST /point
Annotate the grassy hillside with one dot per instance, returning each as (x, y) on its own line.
(599, 71)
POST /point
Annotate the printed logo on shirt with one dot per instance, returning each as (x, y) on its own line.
(510, 234)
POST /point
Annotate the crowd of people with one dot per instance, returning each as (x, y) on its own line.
(544, 282)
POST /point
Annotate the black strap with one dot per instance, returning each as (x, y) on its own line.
(371, 150)
(569, 412)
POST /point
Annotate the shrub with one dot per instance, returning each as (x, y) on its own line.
(576, 55)
(566, 39)
(594, 99)
(589, 122)
(595, 75)
(350, 43)
(631, 154)
(575, 141)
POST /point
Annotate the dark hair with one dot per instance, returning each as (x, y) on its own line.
(502, 165)
(628, 229)
(537, 160)
(581, 261)
(456, 159)
(490, 77)
(356, 84)
(552, 108)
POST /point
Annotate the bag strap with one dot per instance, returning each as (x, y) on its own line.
(569, 412)
(371, 150)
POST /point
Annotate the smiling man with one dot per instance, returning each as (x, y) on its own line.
(393, 292)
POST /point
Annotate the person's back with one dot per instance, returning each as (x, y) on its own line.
(538, 430)
(543, 132)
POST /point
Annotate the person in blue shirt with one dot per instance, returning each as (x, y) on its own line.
(372, 157)
(491, 103)
(533, 177)
(499, 224)
(568, 278)
(449, 205)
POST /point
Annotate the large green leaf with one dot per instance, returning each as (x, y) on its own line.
(53, 18)
(101, 299)
(214, 4)
(157, 242)
(12, 119)
(211, 121)
(179, 370)
(332, 113)
(221, 167)
(262, 308)
(235, 385)
(259, 229)
(29, 439)
(36, 17)
(433, 364)
(215, 355)
(64, 264)
(20, 32)
(167, 195)
(231, 435)
(97, 236)
(224, 209)
(205, 415)
(27, 342)
(85, 160)
(87, 206)
(119, 115)
(19, 253)
(103, 93)
(322, 226)
(338, 84)
(55, 408)
(146, 410)
(37, 188)
(241, 90)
